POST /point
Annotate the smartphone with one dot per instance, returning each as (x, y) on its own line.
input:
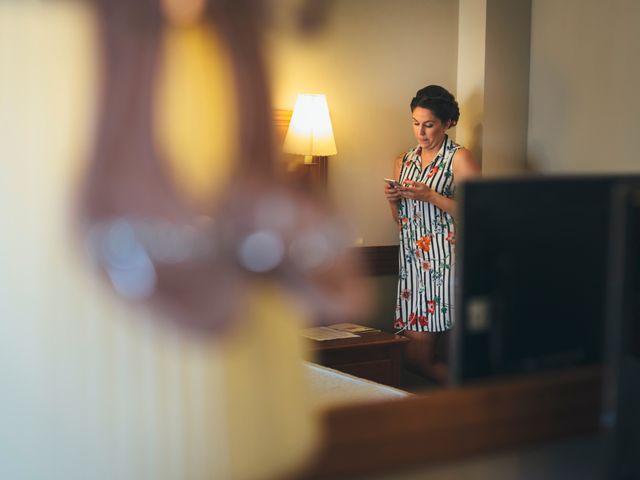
(393, 183)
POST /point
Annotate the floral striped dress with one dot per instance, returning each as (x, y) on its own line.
(427, 238)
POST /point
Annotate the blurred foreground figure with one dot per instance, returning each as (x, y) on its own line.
(99, 388)
(197, 260)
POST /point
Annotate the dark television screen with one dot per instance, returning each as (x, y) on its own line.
(531, 270)
(621, 417)
(632, 278)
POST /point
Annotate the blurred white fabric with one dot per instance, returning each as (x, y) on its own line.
(93, 388)
(332, 388)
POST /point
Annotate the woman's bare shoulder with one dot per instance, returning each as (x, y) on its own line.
(464, 164)
(464, 153)
(397, 164)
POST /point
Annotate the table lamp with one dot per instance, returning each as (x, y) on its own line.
(310, 132)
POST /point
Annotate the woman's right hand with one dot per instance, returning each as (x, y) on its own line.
(392, 193)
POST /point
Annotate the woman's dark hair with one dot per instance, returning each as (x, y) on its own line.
(439, 101)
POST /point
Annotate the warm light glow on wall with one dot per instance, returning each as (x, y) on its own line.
(310, 132)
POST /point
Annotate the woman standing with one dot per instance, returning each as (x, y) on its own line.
(424, 208)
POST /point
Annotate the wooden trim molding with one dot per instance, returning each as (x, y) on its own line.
(281, 119)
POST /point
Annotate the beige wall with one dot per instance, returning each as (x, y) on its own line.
(493, 82)
(555, 92)
(471, 69)
(369, 60)
(584, 101)
(506, 94)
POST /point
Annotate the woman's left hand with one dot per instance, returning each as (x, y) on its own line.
(417, 191)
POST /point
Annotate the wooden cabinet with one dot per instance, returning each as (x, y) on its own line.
(375, 356)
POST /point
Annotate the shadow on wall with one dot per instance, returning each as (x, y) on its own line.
(476, 143)
(550, 129)
(472, 129)
(532, 165)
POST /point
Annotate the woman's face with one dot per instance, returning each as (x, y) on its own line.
(428, 129)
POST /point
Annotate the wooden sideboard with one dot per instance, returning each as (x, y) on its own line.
(376, 356)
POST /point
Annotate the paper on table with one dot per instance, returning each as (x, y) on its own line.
(325, 333)
(353, 328)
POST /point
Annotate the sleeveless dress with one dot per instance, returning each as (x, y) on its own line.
(426, 255)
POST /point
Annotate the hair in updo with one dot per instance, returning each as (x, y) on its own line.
(439, 101)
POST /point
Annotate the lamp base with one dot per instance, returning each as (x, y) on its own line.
(318, 171)
(309, 175)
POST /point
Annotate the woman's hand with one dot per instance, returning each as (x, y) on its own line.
(393, 194)
(417, 191)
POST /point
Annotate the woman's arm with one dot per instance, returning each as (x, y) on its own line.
(393, 194)
(464, 167)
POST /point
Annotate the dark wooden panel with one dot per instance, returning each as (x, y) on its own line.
(380, 260)
(347, 355)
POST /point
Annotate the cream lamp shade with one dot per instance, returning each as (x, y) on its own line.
(310, 132)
